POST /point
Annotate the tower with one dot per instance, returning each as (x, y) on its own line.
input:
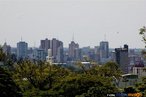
(22, 48)
(122, 58)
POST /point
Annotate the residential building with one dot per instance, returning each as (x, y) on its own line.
(122, 58)
(57, 50)
(104, 51)
(45, 45)
(39, 54)
(22, 48)
(139, 69)
(73, 51)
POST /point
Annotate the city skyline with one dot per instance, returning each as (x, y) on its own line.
(90, 21)
(39, 44)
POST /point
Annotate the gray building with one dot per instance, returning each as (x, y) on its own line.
(22, 48)
(104, 51)
(74, 51)
(60, 54)
(39, 55)
(45, 45)
(122, 58)
(57, 50)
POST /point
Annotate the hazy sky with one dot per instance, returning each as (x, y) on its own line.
(89, 20)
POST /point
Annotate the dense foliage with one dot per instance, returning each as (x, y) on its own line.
(41, 79)
(49, 80)
(8, 88)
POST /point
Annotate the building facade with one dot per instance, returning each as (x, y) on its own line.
(73, 51)
(22, 48)
(57, 50)
(45, 45)
(122, 58)
(39, 55)
(104, 51)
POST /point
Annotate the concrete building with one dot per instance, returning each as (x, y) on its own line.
(22, 48)
(60, 54)
(45, 45)
(122, 58)
(39, 54)
(104, 51)
(73, 51)
(97, 53)
(139, 69)
(57, 50)
(49, 57)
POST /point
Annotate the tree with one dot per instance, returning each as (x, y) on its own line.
(143, 33)
(8, 88)
(36, 79)
(2, 55)
(84, 85)
(37, 75)
(130, 90)
(111, 69)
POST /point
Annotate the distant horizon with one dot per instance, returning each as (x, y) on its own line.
(68, 46)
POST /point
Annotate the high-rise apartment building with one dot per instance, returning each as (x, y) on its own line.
(74, 51)
(57, 50)
(122, 58)
(104, 51)
(22, 48)
(45, 45)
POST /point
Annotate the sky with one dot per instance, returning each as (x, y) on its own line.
(89, 21)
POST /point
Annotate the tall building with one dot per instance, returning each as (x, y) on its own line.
(73, 51)
(104, 51)
(57, 50)
(45, 45)
(97, 53)
(22, 48)
(60, 54)
(54, 46)
(122, 58)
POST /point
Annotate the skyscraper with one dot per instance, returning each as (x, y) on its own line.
(104, 51)
(22, 48)
(45, 45)
(97, 53)
(73, 51)
(57, 50)
(60, 56)
(122, 58)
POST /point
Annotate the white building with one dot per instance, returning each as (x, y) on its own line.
(139, 70)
